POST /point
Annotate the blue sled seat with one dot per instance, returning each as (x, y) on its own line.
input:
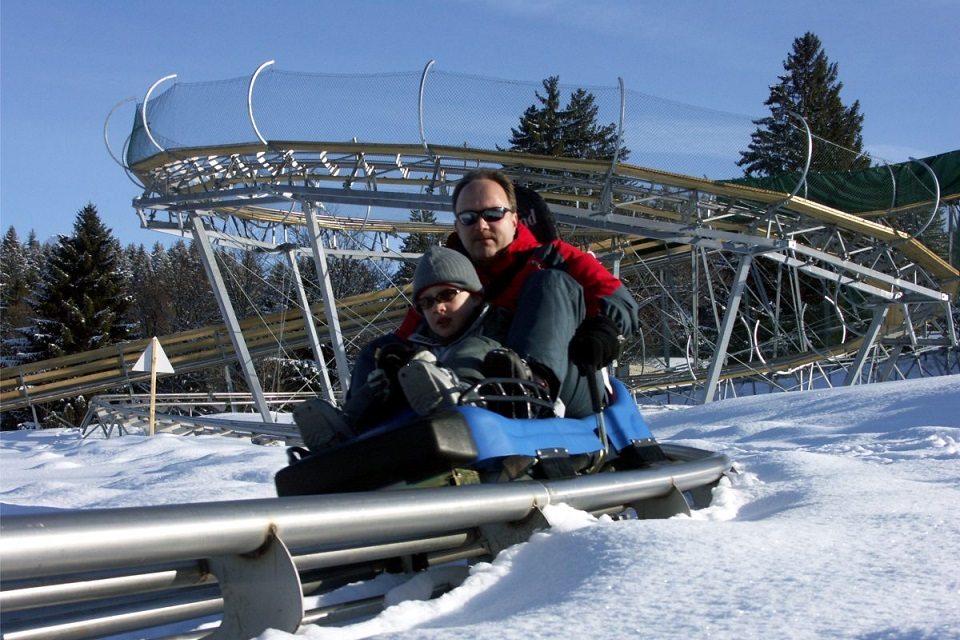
(497, 437)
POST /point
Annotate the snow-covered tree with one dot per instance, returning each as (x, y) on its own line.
(81, 302)
(14, 287)
(191, 302)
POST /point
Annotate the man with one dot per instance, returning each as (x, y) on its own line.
(570, 313)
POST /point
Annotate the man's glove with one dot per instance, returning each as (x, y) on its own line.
(596, 343)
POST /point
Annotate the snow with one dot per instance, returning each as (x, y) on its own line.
(841, 522)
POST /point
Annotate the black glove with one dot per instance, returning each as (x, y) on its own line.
(596, 343)
(390, 357)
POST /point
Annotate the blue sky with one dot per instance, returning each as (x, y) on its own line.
(64, 64)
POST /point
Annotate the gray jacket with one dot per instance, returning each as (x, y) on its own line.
(370, 403)
(465, 353)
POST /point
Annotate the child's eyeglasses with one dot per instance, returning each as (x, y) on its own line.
(492, 214)
(425, 303)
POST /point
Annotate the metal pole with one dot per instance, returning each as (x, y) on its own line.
(62, 542)
(311, 326)
(853, 373)
(889, 365)
(726, 328)
(423, 86)
(143, 111)
(253, 80)
(695, 307)
(154, 347)
(329, 301)
(951, 327)
(229, 316)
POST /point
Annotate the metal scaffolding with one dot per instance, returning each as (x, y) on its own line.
(735, 282)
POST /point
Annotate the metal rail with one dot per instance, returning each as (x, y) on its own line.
(53, 560)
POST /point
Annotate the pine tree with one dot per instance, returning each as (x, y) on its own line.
(81, 302)
(14, 287)
(540, 131)
(811, 89)
(192, 304)
(149, 295)
(417, 243)
(244, 278)
(280, 286)
(571, 131)
(352, 276)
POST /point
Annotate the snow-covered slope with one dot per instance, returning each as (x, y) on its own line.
(842, 522)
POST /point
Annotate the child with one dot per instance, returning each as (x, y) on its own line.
(455, 344)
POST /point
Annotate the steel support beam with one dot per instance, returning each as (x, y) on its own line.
(329, 301)
(832, 276)
(869, 339)
(869, 273)
(951, 327)
(726, 327)
(891, 362)
(229, 316)
(310, 326)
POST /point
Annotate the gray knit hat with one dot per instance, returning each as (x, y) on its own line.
(441, 265)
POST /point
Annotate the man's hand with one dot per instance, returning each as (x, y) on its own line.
(596, 343)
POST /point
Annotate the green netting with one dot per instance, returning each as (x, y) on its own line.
(875, 189)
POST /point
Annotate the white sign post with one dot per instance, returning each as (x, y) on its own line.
(158, 363)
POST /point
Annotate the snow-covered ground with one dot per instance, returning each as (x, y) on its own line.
(842, 522)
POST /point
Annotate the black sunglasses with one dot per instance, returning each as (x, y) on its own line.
(425, 303)
(467, 218)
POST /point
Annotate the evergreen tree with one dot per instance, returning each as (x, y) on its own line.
(11, 268)
(244, 278)
(149, 294)
(20, 266)
(81, 302)
(191, 302)
(417, 243)
(353, 276)
(35, 257)
(811, 89)
(571, 131)
(280, 287)
(13, 292)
